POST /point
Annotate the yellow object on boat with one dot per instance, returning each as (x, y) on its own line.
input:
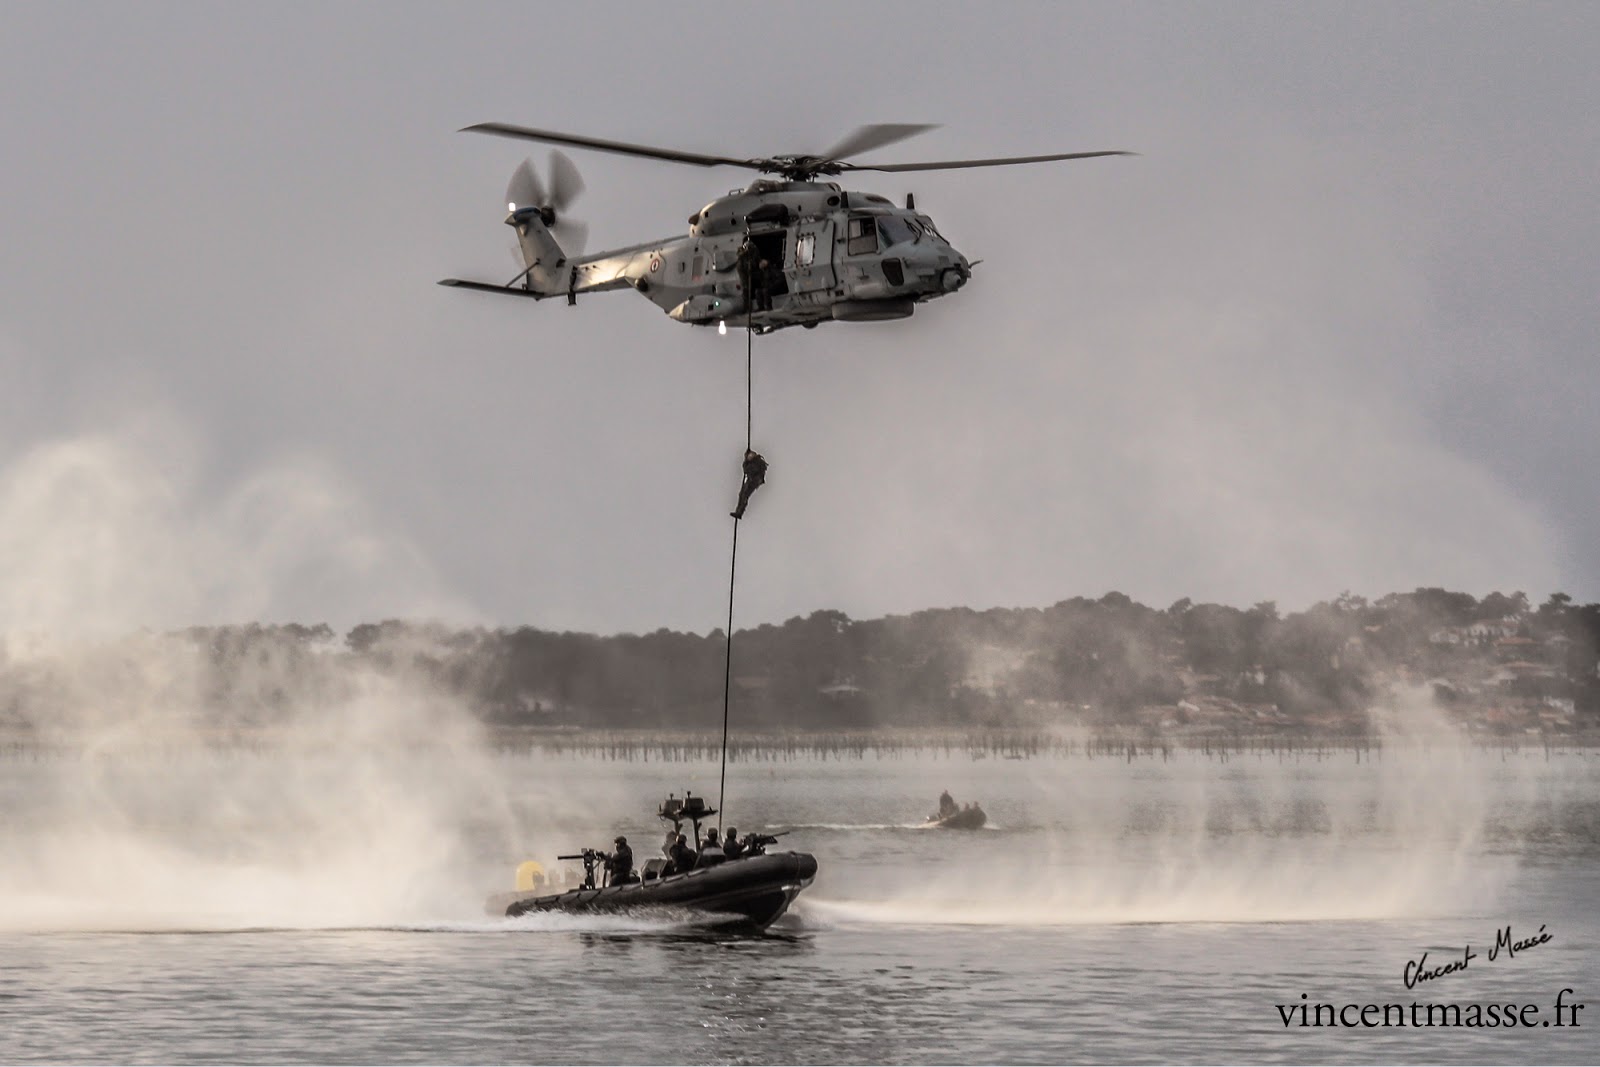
(530, 876)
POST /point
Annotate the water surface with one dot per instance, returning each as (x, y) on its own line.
(1114, 911)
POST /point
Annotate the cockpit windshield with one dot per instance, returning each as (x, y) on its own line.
(894, 230)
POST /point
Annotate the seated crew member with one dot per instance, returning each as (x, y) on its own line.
(755, 474)
(619, 864)
(682, 856)
(732, 847)
(711, 852)
(947, 804)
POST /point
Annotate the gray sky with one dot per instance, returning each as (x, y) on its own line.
(1333, 329)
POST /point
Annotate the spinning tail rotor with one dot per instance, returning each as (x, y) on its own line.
(526, 193)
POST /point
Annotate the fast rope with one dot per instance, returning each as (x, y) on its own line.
(733, 566)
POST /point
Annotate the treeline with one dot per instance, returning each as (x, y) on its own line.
(1093, 661)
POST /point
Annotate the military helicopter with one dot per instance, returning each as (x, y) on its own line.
(789, 250)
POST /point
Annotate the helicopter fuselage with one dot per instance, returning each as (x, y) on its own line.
(816, 253)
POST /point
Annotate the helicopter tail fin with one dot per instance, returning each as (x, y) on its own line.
(548, 269)
(538, 212)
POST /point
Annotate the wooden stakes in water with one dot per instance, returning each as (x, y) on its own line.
(860, 745)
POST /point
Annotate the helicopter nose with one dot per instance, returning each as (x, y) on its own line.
(954, 277)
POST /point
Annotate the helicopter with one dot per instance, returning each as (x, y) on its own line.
(787, 250)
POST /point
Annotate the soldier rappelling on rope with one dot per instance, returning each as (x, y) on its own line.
(755, 473)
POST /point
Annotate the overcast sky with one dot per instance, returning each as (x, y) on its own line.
(1334, 329)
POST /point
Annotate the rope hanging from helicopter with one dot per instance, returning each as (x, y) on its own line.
(733, 562)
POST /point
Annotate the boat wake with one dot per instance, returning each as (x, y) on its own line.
(851, 827)
(638, 921)
(1285, 890)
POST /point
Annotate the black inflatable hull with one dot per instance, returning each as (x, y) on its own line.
(970, 819)
(754, 890)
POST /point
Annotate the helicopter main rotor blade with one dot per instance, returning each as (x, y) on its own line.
(959, 164)
(866, 138)
(525, 133)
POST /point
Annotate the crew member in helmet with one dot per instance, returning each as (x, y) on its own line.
(732, 847)
(711, 852)
(619, 865)
(758, 276)
(682, 856)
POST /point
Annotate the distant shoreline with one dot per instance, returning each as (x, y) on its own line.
(645, 744)
(1002, 744)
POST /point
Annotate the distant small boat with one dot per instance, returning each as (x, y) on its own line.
(950, 817)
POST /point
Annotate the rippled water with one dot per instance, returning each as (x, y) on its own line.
(1113, 912)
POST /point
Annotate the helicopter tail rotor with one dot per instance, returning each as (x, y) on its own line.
(525, 190)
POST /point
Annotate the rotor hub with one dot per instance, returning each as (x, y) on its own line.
(799, 168)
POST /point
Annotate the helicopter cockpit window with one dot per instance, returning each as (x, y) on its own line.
(894, 230)
(861, 236)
